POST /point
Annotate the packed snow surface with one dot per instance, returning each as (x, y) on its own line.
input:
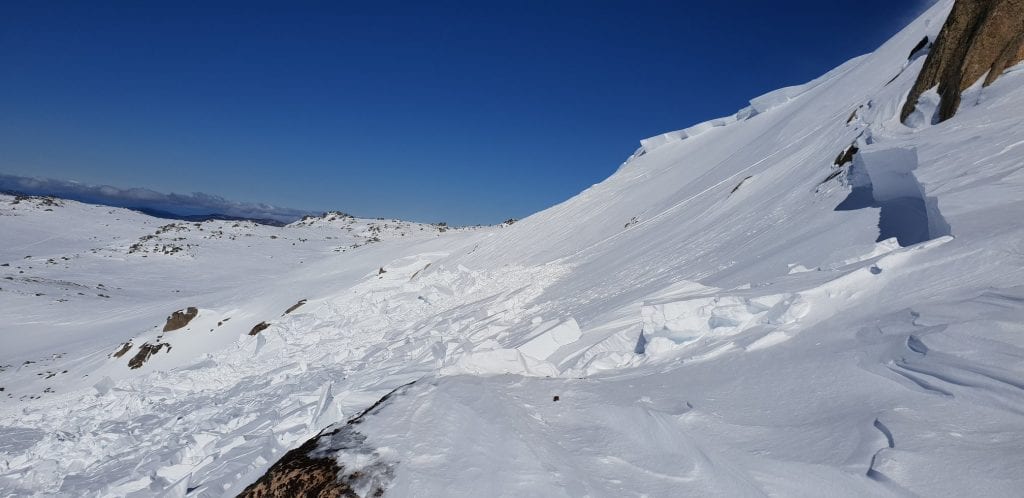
(729, 314)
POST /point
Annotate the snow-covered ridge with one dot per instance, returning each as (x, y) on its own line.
(764, 310)
(89, 263)
(758, 105)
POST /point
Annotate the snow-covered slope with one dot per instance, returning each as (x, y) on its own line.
(746, 307)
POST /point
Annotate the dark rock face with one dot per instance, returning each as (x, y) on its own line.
(846, 156)
(917, 48)
(298, 474)
(124, 348)
(311, 471)
(180, 318)
(979, 36)
(260, 327)
(145, 351)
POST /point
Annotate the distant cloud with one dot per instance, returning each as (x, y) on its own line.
(139, 198)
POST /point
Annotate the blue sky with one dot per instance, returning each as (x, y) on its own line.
(468, 112)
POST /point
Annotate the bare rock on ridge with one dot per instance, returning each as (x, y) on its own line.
(979, 37)
(311, 471)
(180, 318)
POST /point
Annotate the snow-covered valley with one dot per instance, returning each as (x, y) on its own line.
(811, 297)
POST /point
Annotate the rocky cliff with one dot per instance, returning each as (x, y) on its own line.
(979, 37)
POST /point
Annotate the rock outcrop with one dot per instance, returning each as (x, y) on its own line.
(124, 348)
(299, 474)
(260, 327)
(311, 471)
(979, 37)
(180, 318)
(145, 351)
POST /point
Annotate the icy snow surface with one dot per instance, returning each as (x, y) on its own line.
(729, 314)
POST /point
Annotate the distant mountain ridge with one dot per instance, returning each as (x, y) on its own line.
(196, 206)
(156, 213)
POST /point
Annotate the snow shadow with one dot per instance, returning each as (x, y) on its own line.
(884, 179)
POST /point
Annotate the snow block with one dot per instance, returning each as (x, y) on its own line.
(890, 173)
(776, 98)
(649, 144)
(884, 179)
(685, 321)
(500, 361)
(549, 339)
(699, 128)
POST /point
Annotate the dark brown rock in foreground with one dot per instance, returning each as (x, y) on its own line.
(298, 474)
(979, 36)
(310, 471)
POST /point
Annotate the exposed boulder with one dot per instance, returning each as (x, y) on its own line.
(145, 351)
(122, 349)
(260, 327)
(299, 474)
(311, 470)
(846, 156)
(979, 37)
(180, 318)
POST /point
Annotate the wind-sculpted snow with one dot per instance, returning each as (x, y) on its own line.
(704, 322)
(176, 429)
(758, 105)
(884, 179)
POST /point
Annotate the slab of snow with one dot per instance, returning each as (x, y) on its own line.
(547, 339)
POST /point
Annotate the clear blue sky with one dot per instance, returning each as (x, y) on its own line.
(468, 112)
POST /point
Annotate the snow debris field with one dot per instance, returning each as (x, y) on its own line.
(737, 311)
